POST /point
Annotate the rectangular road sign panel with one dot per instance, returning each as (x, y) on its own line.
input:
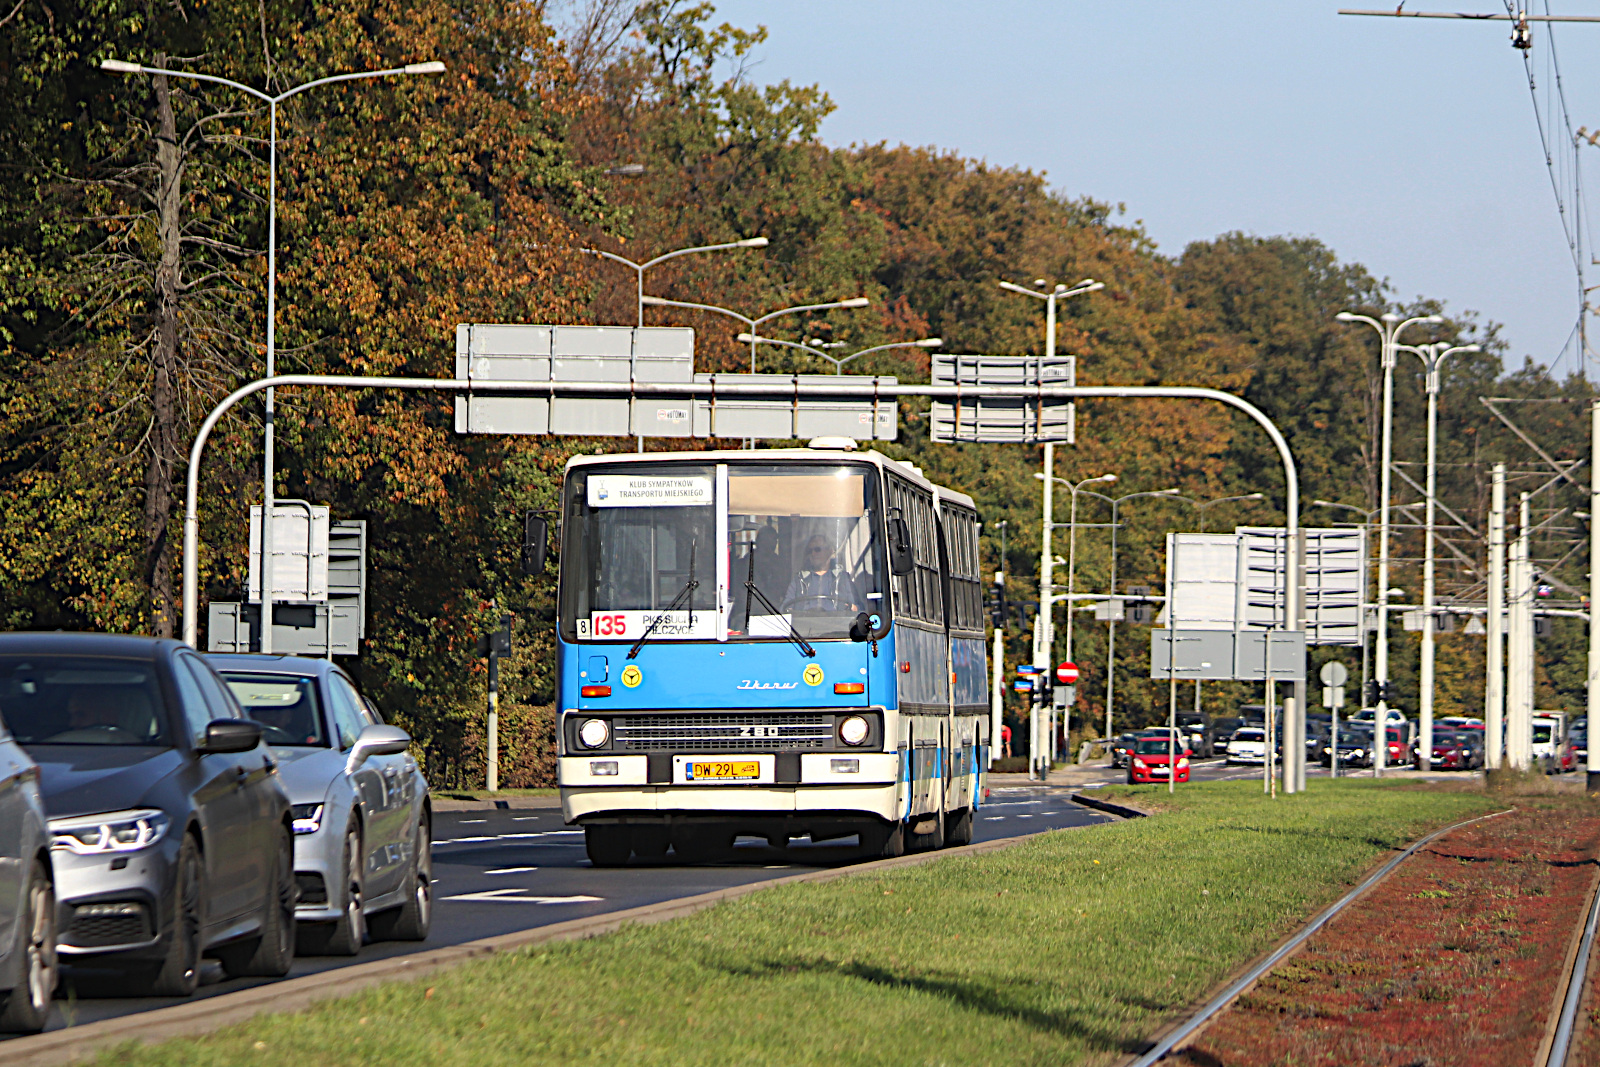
(1008, 419)
(1223, 655)
(300, 552)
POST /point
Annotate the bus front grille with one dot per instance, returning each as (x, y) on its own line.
(723, 732)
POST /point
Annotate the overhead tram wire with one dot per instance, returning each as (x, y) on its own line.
(1565, 174)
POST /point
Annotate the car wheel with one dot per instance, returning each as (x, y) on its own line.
(270, 953)
(27, 1007)
(178, 973)
(344, 936)
(412, 920)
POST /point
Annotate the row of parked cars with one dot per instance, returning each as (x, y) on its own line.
(158, 807)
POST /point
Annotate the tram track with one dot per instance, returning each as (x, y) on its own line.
(1563, 1041)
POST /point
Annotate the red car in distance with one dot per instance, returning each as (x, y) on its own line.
(1150, 759)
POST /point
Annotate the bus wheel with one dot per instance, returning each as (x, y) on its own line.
(960, 831)
(931, 841)
(886, 842)
(650, 843)
(608, 846)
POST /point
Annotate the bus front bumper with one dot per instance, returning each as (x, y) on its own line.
(870, 789)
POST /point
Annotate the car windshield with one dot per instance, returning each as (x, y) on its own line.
(82, 700)
(1445, 738)
(1154, 746)
(1248, 735)
(642, 549)
(1354, 735)
(286, 706)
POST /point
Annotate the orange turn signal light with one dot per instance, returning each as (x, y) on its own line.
(849, 687)
(596, 690)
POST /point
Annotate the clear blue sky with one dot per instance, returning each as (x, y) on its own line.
(1409, 146)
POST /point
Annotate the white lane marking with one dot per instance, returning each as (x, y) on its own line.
(508, 896)
(526, 818)
(464, 822)
(1026, 815)
(511, 870)
(508, 837)
(993, 818)
(1011, 803)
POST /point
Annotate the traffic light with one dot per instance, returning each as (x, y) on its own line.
(497, 642)
(1377, 691)
(1373, 694)
(1390, 693)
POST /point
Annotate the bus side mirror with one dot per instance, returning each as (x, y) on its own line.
(535, 542)
(900, 561)
(861, 627)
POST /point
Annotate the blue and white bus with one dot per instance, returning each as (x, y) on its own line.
(777, 643)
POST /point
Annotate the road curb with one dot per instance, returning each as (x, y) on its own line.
(1119, 810)
(444, 803)
(195, 1017)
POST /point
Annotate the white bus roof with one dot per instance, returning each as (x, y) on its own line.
(876, 458)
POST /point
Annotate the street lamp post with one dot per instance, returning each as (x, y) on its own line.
(640, 268)
(1072, 554)
(1044, 621)
(1389, 327)
(268, 503)
(838, 363)
(659, 301)
(1432, 356)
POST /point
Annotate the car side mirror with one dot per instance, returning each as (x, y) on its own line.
(535, 543)
(900, 561)
(378, 740)
(230, 735)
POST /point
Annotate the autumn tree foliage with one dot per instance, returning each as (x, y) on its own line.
(132, 297)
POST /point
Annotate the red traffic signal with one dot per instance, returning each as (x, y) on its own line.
(1067, 673)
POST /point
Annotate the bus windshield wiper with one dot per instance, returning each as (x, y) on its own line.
(751, 591)
(684, 594)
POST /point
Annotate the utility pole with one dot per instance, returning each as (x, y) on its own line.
(1494, 689)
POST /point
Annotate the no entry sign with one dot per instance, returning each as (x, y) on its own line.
(1067, 673)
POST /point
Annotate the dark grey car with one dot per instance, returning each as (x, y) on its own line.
(170, 830)
(27, 895)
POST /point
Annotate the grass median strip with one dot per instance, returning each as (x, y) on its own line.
(1069, 948)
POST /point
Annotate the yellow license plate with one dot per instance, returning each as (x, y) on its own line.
(725, 770)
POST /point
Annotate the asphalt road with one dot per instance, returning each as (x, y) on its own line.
(497, 872)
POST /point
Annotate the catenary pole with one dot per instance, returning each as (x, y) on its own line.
(1592, 762)
(1494, 687)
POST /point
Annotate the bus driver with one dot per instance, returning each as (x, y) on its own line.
(821, 585)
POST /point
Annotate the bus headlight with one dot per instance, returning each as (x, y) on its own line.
(594, 733)
(854, 730)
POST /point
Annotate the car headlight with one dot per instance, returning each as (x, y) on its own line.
(1183, 761)
(1137, 762)
(594, 733)
(307, 817)
(854, 730)
(115, 831)
(1357, 753)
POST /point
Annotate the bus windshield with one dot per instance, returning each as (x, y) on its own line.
(641, 550)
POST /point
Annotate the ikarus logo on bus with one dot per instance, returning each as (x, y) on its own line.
(812, 674)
